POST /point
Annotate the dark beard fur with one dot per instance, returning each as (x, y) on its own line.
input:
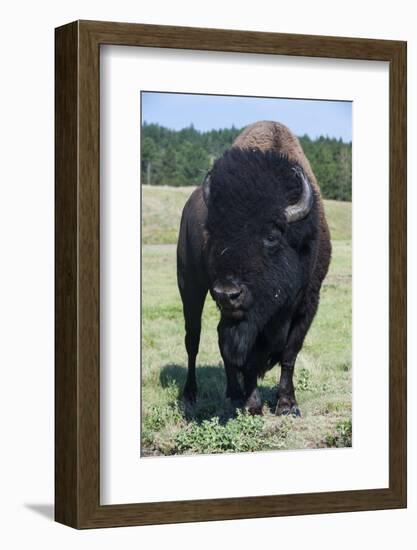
(237, 340)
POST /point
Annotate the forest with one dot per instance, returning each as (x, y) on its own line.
(182, 157)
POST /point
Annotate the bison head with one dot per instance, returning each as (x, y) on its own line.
(261, 228)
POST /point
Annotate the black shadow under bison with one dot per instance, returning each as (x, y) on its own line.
(255, 236)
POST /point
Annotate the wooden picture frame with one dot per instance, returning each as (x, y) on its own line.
(77, 373)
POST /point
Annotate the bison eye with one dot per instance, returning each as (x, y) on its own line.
(271, 240)
(273, 237)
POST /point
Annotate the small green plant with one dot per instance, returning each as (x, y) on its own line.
(158, 417)
(331, 407)
(342, 437)
(303, 381)
(345, 366)
(243, 433)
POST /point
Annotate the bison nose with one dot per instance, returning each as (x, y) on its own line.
(233, 295)
(229, 295)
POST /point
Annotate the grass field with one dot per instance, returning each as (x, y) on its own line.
(323, 369)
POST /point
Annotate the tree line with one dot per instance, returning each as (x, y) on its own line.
(182, 157)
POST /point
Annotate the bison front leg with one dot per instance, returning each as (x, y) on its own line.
(193, 303)
(233, 390)
(253, 402)
(287, 404)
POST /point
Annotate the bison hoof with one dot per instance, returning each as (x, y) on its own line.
(255, 411)
(190, 394)
(254, 404)
(285, 408)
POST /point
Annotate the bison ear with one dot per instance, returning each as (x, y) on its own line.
(206, 188)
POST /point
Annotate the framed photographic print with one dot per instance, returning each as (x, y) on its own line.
(230, 274)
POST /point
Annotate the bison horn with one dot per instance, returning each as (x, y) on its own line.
(299, 210)
(206, 188)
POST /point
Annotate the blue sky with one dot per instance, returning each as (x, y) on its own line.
(206, 112)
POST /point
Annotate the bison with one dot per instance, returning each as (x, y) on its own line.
(255, 236)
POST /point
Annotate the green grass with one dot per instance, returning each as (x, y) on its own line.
(161, 213)
(323, 369)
